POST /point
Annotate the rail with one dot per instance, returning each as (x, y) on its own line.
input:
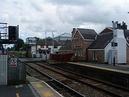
(52, 81)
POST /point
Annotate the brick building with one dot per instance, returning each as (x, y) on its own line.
(81, 39)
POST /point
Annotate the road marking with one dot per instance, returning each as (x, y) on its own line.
(17, 95)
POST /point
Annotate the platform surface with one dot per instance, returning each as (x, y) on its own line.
(43, 89)
(116, 68)
(16, 91)
(36, 88)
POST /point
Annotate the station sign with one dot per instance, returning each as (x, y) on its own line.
(13, 62)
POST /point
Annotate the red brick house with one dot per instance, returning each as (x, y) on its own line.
(81, 39)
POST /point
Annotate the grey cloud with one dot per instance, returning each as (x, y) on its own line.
(90, 14)
(70, 2)
(35, 6)
(34, 19)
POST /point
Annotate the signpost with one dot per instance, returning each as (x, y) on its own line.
(13, 62)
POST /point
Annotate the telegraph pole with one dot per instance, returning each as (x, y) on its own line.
(53, 41)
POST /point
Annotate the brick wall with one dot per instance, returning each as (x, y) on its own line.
(79, 46)
(96, 55)
(127, 54)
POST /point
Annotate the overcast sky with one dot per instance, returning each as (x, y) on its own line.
(38, 16)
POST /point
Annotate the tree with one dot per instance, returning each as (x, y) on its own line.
(19, 45)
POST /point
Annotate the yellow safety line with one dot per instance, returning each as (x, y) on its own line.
(17, 95)
(47, 94)
(39, 85)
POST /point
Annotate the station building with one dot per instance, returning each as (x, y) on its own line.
(101, 49)
(90, 46)
(81, 39)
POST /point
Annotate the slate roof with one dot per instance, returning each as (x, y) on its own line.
(87, 33)
(102, 41)
(106, 30)
(104, 38)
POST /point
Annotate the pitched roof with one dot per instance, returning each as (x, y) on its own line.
(106, 30)
(101, 41)
(87, 33)
(109, 30)
(105, 37)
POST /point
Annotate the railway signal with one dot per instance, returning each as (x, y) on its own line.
(13, 32)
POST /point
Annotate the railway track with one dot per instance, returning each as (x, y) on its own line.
(59, 86)
(113, 91)
(85, 76)
(80, 79)
(112, 78)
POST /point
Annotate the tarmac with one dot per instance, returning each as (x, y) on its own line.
(16, 91)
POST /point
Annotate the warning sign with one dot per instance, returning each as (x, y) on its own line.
(13, 62)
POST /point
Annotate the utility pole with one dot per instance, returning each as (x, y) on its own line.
(45, 39)
(53, 41)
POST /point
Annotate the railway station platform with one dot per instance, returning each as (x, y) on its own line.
(117, 75)
(116, 68)
(42, 88)
(35, 88)
(16, 91)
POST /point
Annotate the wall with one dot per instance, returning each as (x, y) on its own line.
(106, 50)
(79, 46)
(96, 55)
(121, 48)
(127, 58)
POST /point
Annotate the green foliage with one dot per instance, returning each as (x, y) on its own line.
(19, 45)
(19, 54)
